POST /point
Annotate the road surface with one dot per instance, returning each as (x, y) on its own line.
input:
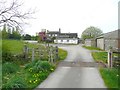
(74, 77)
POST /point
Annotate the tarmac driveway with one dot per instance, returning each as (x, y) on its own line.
(74, 77)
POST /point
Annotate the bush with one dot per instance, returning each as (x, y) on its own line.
(46, 65)
(31, 64)
(37, 66)
(8, 68)
(15, 83)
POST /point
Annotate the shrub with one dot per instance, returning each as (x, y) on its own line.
(31, 64)
(15, 83)
(46, 65)
(9, 67)
(37, 66)
(41, 66)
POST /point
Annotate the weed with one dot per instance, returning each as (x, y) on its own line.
(14, 83)
(9, 67)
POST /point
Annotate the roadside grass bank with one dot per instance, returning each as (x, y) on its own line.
(100, 56)
(24, 74)
(109, 75)
(91, 48)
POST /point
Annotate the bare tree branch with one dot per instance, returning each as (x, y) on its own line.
(12, 15)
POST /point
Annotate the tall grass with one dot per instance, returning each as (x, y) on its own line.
(100, 56)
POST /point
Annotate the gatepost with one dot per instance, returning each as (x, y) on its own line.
(25, 51)
(56, 52)
(110, 58)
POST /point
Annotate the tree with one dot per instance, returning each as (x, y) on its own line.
(4, 32)
(12, 15)
(27, 37)
(91, 32)
(16, 34)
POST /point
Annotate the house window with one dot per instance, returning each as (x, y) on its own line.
(55, 34)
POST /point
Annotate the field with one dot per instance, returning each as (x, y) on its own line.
(17, 73)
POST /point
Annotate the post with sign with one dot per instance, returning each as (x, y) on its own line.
(109, 59)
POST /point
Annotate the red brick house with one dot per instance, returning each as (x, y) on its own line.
(42, 35)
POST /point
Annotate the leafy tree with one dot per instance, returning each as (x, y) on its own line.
(16, 34)
(9, 33)
(4, 32)
(91, 32)
(27, 37)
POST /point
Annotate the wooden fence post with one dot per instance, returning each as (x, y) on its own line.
(33, 54)
(51, 54)
(39, 52)
(25, 51)
(56, 52)
(110, 59)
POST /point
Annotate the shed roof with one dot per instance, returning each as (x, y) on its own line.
(111, 35)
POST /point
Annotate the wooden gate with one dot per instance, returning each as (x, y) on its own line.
(49, 53)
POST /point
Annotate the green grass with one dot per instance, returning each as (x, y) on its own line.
(28, 74)
(100, 56)
(110, 77)
(91, 48)
(16, 46)
(13, 46)
(62, 54)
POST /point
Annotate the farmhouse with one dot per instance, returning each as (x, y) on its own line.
(67, 38)
(63, 38)
(51, 34)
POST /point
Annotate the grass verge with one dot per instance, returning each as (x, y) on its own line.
(62, 54)
(109, 75)
(100, 56)
(91, 48)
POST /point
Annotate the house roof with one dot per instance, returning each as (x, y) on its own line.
(68, 35)
(53, 32)
(66, 39)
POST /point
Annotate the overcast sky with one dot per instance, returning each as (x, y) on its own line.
(72, 15)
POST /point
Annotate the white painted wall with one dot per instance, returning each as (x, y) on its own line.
(66, 41)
